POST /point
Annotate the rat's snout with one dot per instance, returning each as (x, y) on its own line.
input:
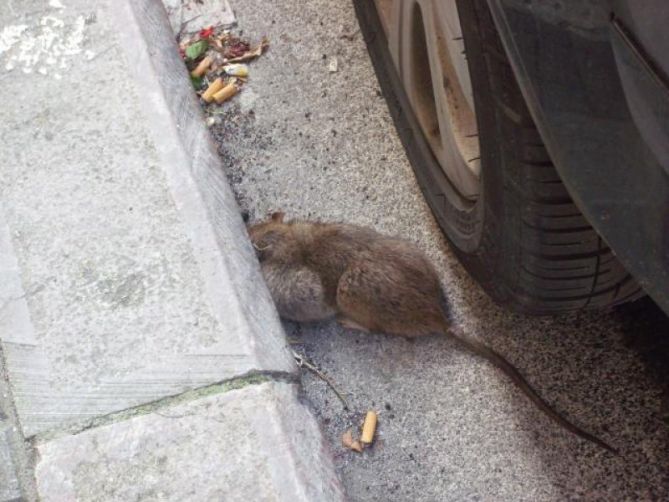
(254, 236)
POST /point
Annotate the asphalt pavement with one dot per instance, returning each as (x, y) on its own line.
(321, 144)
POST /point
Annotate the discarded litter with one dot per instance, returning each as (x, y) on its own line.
(347, 438)
(348, 442)
(226, 93)
(356, 446)
(333, 65)
(366, 437)
(196, 49)
(251, 53)
(214, 87)
(236, 49)
(368, 428)
(214, 57)
(236, 70)
(302, 362)
(202, 67)
(206, 32)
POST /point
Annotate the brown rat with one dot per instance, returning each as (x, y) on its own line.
(371, 282)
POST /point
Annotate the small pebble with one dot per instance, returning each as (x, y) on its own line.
(333, 66)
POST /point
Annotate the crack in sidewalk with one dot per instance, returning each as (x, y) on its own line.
(253, 377)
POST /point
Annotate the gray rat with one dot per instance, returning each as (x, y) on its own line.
(370, 282)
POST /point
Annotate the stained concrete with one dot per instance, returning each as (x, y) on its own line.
(254, 443)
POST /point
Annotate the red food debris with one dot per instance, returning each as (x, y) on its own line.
(236, 49)
(182, 53)
(206, 32)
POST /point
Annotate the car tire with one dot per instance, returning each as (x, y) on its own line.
(523, 239)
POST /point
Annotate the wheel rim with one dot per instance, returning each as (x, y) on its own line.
(425, 40)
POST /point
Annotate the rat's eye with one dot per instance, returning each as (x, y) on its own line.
(263, 241)
(261, 249)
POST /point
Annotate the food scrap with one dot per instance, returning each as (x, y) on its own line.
(196, 49)
(251, 53)
(206, 32)
(347, 439)
(348, 442)
(236, 49)
(214, 57)
(366, 437)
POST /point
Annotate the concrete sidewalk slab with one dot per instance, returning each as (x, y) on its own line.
(255, 443)
(131, 301)
(125, 271)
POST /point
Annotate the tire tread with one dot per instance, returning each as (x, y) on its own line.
(537, 252)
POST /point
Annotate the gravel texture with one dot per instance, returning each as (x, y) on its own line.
(321, 144)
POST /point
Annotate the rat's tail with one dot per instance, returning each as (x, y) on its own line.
(486, 352)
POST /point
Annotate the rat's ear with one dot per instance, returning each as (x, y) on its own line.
(278, 217)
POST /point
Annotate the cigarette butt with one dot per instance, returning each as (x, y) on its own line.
(213, 88)
(202, 67)
(237, 70)
(226, 93)
(368, 428)
(356, 446)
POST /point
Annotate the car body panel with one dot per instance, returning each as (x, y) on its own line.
(594, 78)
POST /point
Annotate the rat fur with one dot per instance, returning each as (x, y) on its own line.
(370, 282)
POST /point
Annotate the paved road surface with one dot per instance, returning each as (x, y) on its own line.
(321, 145)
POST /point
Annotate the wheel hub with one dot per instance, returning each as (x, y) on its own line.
(425, 40)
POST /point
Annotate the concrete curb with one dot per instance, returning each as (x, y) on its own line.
(256, 442)
(301, 467)
(197, 180)
(105, 307)
(97, 326)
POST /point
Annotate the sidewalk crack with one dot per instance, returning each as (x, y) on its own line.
(253, 377)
